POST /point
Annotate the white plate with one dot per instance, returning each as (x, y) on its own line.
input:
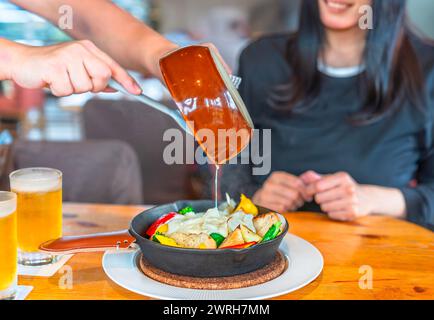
(305, 263)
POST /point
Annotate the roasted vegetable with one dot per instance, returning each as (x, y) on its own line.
(206, 230)
(154, 238)
(242, 246)
(160, 221)
(162, 229)
(249, 235)
(202, 240)
(218, 238)
(263, 222)
(166, 240)
(234, 238)
(247, 206)
(272, 232)
(185, 210)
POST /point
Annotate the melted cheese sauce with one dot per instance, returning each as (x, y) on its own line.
(212, 221)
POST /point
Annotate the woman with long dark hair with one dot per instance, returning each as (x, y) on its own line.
(350, 109)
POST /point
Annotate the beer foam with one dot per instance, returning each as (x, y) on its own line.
(8, 204)
(34, 180)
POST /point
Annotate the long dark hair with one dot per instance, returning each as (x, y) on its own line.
(392, 72)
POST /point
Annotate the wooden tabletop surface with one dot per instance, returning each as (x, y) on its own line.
(398, 254)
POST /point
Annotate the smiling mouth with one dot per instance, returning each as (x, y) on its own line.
(338, 5)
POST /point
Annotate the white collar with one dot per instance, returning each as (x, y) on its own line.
(345, 72)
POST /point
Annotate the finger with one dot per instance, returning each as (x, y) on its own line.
(290, 200)
(275, 206)
(337, 205)
(118, 73)
(109, 90)
(310, 190)
(342, 215)
(290, 181)
(279, 206)
(331, 181)
(80, 79)
(269, 201)
(291, 196)
(287, 180)
(340, 192)
(310, 176)
(283, 191)
(99, 72)
(60, 84)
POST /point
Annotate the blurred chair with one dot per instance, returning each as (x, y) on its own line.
(143, 128)
(93, 171)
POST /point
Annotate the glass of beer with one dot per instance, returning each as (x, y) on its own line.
(8, 245)
(39, 212)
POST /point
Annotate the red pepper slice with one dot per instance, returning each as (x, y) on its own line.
(161, 220)
(241, 246)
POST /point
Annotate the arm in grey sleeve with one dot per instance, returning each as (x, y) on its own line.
(420, 199)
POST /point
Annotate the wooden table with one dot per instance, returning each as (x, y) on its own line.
(400, 254)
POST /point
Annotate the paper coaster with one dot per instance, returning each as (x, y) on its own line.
(45, 270)
(23, 292)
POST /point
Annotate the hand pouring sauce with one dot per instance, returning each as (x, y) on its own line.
(214, 112)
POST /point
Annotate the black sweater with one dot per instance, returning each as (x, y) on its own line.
(392, 152)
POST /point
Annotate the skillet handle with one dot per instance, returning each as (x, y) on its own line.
(89, 243)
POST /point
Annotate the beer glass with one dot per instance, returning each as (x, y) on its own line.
(8, 245)
(39, 212)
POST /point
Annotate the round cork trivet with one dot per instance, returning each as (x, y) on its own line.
(265, 274)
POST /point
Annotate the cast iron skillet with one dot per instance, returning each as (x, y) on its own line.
(198, 262)
(182, 261)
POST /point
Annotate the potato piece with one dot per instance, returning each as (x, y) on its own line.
(234, 238)
(249, 235)
(196, 241)
(263, 222)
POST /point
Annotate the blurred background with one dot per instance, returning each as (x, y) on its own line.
(125, 137)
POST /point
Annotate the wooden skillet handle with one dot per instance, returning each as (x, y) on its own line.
(89, 243)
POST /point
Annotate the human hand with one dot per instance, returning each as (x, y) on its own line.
(281, 192)
(339, 195)
(67, 68)
(310, 177)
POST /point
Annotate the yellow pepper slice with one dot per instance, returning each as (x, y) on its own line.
(247, 206)
(162, 229)
(166, 240)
